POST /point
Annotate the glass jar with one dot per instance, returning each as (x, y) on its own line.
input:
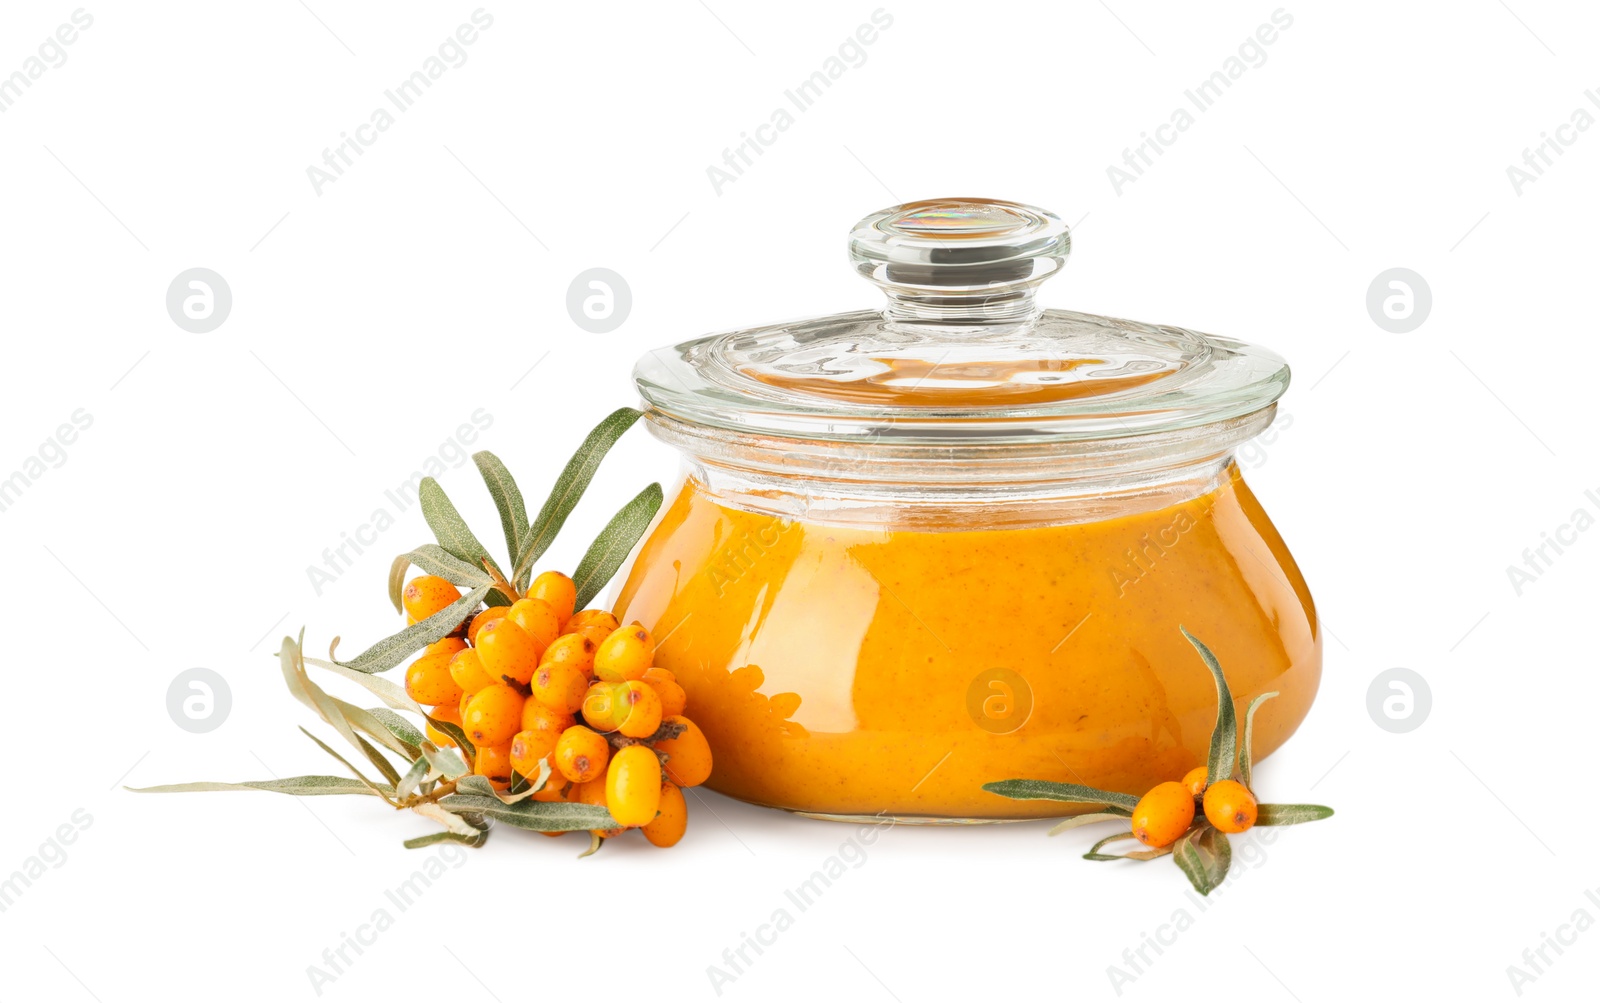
(952, 542)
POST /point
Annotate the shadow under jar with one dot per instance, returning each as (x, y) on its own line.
(953, 542)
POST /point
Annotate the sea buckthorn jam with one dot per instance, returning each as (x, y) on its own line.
(953, 542)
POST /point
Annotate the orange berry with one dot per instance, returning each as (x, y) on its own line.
(633, 785)
(447, 712)
(556, 788)
(673, 699)
(1230, 806)
(594, 792)
(594, 617)
(494, 762)
(667, 827)
(449, 645)
(424, 596)
(595, 632)
(641, 714)
(560, 686)
(486, 616)
(428, 680)
(468, 672)
(602, 707)
(492, 715)
(557, 590)
(575, 649)
(688, 755)
(507, 652)
(581, 754)
(1195, 780)
(528, 748)
(1163, 814)
(537, 717)
(537, 619)
(625, 654)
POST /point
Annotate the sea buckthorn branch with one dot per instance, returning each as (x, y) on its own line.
(1188, 820)
(534, 713)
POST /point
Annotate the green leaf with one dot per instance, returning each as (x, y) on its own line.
(1203, 856)
(398, 726)
(476, 786)
(615, 543)
(543, 816)
(435, 560)
(397, 581)
(1089, 819)
(385, 690)
(445, 762)
(595, 842)
(448, 527)
(450, 820)
(336, 713)
(303, 786)
(507, 499)
(1046, 790)
(1249, 729)
(457, 735)
(569, 487)
(380, 761)
(1290, 814)
(435, 838)
(345, 762)
(1225, 736)
(1149, 854)
(394, 649)
(414, 777)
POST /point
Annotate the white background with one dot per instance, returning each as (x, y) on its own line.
(372, 319)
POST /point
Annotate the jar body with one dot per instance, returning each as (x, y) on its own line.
(853, 670)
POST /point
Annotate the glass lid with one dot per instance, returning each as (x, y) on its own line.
(961, 352)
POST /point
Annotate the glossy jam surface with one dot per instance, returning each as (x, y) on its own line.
(851, 671)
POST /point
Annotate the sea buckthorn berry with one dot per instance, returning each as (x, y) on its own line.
(593, 617)
(575, 649)
(447, 712)
(537, 619)
(447, 645)
(1163, 814)
(673, 699)
(486, 616)
(594, 792)
(633, 785)
(560, 686)
(527, 748)
(1230, 806)
(641, 714)
(537, 717)
(602, 708)
(493, 715)
(424, 596)
(688, 755)
(596, 633)
(507, 652)
(468, 672)
(428, 680)
(625, 654)
(556, 788)
(581, 754)
(557, 590)
(667, 827)
(494, 762)
(1195, 780)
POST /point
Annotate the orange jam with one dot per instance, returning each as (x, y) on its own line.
(854, 671)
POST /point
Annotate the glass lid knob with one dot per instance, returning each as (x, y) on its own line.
(960, 261)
